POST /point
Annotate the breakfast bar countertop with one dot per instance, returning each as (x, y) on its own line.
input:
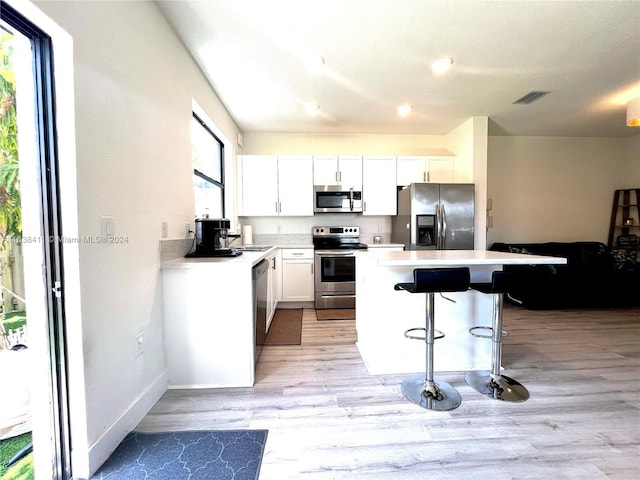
(457, 257)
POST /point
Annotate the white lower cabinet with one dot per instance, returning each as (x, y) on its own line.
(208, 325)
(297, 274)
(273, 284)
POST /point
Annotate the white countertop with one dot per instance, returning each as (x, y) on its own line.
(248, 259)
(456, 257)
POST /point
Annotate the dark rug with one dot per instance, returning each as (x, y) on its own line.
(194, 455)
(285, 328)
(336, 314)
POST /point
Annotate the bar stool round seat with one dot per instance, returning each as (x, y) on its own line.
(422, 389)
(492, 383)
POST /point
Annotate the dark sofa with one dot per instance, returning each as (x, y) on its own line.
(594, 276)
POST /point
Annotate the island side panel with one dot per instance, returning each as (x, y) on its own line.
(208, 319)
(383, 314)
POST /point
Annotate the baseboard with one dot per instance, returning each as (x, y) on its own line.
(100, 451)
(287, 305)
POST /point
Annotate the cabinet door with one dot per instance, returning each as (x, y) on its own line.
(350, 172)
(325, 170)
(379, 190)
(295, 185)
(297, 280)
(411, 170)
(440, 169)
(259, 185)
(272, 288)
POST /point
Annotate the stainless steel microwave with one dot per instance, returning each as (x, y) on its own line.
(336, 199)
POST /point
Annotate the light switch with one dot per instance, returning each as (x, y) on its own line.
(107, 227)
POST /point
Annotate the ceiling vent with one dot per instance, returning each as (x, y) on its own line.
(531, 97)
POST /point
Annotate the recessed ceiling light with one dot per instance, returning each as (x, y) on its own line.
(312, 108)
(442, 65)
(404, 110)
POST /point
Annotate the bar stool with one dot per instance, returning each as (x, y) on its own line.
(422, 389)
(492, 383)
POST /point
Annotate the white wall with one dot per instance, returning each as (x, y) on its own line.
(260, 143)
(630, 174)
(134, 84)
(556, 188)
(468, 142)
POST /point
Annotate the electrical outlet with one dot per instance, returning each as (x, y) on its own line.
(279, 228)
(164, 227)
(379, 228)
(139, 343)
(187, 230)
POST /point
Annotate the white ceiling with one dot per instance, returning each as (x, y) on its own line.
(378, 55)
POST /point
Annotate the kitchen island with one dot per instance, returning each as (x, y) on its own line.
(383, 314)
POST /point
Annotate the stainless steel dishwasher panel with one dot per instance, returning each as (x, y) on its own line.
(260, 286)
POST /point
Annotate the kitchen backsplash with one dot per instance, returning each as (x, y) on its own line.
(288, 231)
(297, 230)
(172, 249)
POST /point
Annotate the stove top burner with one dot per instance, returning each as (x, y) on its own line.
(337, 238)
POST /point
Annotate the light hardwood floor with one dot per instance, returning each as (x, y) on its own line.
(328, 419)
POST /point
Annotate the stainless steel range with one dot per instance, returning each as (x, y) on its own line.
(335, 266)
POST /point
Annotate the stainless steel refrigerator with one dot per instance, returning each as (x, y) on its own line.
(435, 216)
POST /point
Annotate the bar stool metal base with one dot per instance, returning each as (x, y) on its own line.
(498, 387)
(440, 396)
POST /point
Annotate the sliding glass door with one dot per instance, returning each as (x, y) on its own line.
(30, 223)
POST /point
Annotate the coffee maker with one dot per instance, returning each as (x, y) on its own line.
(213, 238)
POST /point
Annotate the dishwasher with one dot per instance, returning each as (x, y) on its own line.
(260, 286)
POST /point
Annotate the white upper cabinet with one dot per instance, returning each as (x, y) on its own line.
(273, 185)
(295, 185)
(259, 185)
(420, 169)
(440, 169)
(345, 171)
(379, 190)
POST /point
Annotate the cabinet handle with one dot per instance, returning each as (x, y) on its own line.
(428, 176)
(424, 176)
(364, 207)
(340, 177)
(298, 253)
(273, 262)
(276, 207)
(312, 269)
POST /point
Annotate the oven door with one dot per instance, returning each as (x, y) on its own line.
(335, 279)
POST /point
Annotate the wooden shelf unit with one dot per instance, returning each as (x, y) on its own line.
(625, 207)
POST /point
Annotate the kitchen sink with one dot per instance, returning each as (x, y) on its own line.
(253, 248)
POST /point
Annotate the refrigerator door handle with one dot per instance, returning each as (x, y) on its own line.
(444, 227)
(438, 228)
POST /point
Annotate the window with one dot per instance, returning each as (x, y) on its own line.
(208, 170)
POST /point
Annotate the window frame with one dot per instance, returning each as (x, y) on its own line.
(206, 178)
